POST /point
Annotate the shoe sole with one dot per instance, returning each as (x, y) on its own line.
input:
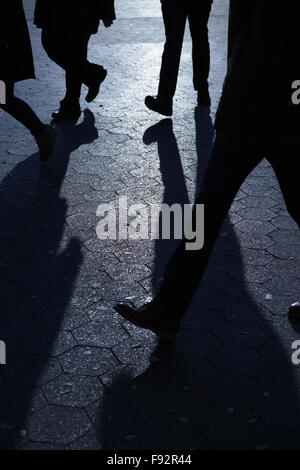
(158, 331)
(168, 114)
(89, 100)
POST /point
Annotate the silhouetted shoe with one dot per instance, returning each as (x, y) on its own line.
(46, 143)
(150, 316)
(67, 111)
(95, 86)
(294, 309)
(203, 97)
(159, 105)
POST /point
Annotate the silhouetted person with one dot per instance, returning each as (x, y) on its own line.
(66, 30)
(255, 119)
(175, 14)
(16, 64)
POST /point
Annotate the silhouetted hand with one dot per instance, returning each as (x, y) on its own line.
(108, 23)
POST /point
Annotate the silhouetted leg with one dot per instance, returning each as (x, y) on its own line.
(174, 16)
(225, 173)
(69, 51)
(77, 66)
(286, 169)
(22, 112)
(198, 19)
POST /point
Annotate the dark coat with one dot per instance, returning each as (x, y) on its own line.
(62, 14)
(256, 110)
(16, 62)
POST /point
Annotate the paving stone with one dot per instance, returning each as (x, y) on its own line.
(232, 391)
(88, 361)
(240, 361)
(99, 335)
(44, 343)
(70, 390)
(58, 425)
(28, 370)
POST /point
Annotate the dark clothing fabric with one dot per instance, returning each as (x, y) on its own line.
(254, 120)
(59, 15)
(66, 30)
(21, 111)
(16, 62)
(175, 14)
(255, 110)
(70, 52)
(226, 172)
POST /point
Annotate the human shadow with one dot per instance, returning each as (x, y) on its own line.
(38, 268)
(217, 386)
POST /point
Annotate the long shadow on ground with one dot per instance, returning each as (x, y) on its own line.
(214, 388)
(37, 274)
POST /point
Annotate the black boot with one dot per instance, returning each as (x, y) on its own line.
(67, 111)
(294, 309)
(94, 85)
(151, 316)
(159, 105)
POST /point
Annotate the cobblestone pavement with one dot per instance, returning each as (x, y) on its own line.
(77, 376)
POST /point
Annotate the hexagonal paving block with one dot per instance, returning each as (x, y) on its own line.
(88, 361)
(100, 335)
(73, 390)
(255, 227)
(58, 425)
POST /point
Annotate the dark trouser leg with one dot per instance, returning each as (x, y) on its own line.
(225, 173)
(77, 67)
(174, 16)
(286, 166)
(72, 57)
(22, 112)
(198, 19)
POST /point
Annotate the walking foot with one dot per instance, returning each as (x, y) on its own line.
(95, 86)
(150, 317)
(67, 111)
(159, 105)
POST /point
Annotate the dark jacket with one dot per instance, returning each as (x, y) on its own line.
(62, 14)
(256, 110)
(16, 62)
